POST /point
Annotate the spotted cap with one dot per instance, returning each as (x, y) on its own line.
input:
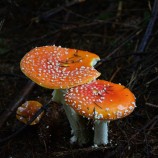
(59, 68)
(101, 100)
(26, 111)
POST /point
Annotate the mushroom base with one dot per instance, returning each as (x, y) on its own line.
(78, 126)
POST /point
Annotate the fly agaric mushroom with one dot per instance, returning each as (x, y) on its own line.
(61, 68)
(27, 110)
(102, 101)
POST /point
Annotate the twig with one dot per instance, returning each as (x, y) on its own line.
(152, 105)
(144, 42)
(147, 35)
(152, 80)
(130, 37)
(16, 102)
(114, 74)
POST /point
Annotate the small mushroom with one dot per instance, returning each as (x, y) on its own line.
(102, 101)
(27, 110)
(59, 69)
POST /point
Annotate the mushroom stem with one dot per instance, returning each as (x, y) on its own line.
(77, 122)
(100, 132)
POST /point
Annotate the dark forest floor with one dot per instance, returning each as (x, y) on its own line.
(112, 29)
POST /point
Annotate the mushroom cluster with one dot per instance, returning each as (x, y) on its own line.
(59, 69)
(72, 75)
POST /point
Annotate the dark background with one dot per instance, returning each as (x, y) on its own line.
(113, 29)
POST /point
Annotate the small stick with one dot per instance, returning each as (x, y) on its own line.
(152, 105)
(16, 102)
(114, 74)
(147, 35)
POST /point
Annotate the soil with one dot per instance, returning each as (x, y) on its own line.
(112, 29)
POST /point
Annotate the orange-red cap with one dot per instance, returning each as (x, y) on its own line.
(26, 111)
(101, 100)
(56, 67)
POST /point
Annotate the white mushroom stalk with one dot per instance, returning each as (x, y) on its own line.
(77, 123)
(100, 132)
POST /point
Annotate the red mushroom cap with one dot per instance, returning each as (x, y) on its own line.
(26, 111)
(56, 67)
(101, 100)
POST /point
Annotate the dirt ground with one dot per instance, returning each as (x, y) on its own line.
(113, 29)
